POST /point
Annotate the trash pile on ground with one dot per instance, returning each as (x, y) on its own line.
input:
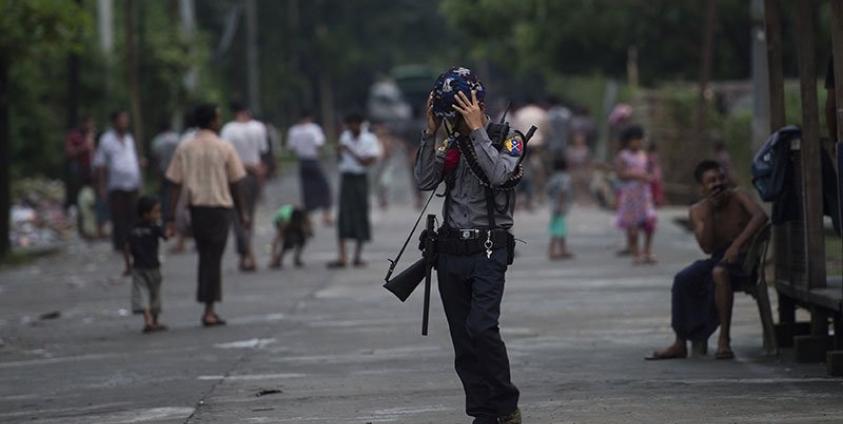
(37, 217)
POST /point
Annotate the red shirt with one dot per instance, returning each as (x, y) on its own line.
(77, 149)
(452, 159)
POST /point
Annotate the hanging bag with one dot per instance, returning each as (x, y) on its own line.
(771, 163)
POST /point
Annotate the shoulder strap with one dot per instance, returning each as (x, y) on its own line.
(449, 185)
(490, 208)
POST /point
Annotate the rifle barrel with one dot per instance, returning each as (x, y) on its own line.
(428, 246)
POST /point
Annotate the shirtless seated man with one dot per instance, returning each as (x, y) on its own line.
(724, 223)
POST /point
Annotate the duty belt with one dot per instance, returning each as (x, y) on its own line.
(471, 241)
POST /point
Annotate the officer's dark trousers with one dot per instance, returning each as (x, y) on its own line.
(472, 288)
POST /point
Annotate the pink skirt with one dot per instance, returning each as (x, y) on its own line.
(635, 207)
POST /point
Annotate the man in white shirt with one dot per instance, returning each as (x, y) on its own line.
(163, 146)
(306, 139)
(119, 175)
(358, 150)
(249, 138)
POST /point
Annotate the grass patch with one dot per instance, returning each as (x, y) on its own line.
(17, 258)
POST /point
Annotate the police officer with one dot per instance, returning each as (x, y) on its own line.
(474, 243)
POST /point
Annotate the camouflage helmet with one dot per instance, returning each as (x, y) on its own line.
(446, 87)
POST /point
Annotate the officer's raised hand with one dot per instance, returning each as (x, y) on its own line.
(470, 109)
(432, 121)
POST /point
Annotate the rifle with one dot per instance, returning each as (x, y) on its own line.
(403, 284)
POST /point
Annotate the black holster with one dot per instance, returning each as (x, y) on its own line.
(510, 249)
(428, 245)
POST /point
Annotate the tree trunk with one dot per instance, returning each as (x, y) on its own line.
(72, 90)
(775, 63)
(326, 96)
(252, 64)
(73, 86)
(132, 78)
(5, 183)
(292, 109)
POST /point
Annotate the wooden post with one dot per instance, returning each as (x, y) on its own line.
(772, 22)
(775, 81)
(837, 49)
(810, 148)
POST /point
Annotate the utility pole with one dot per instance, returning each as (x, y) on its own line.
(132, 77)
(252, 64)
(187, 14)
(184, 13)
(610, 97)
(760, 76)
(325, 87)
(105, 28)
(632, 67)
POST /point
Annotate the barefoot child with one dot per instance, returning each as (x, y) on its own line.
(636, 212)
(560, 195)
(141, 255)
(292, 229)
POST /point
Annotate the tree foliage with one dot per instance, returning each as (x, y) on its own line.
(28, 30)
(553, 37)
(39, 35)
(352, 42)
(35, 36)
(39, 27)
(518, 45)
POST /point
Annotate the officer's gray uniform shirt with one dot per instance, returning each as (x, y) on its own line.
(468, 196)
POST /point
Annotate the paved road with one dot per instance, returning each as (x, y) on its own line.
(340, 349)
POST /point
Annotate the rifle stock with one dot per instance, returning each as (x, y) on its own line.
(403, 284)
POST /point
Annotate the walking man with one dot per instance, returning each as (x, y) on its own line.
(474, 244)
(306, 139)
(249, 138)
(163, 146)
(119, 179)
(359, 149)
(211, 172)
